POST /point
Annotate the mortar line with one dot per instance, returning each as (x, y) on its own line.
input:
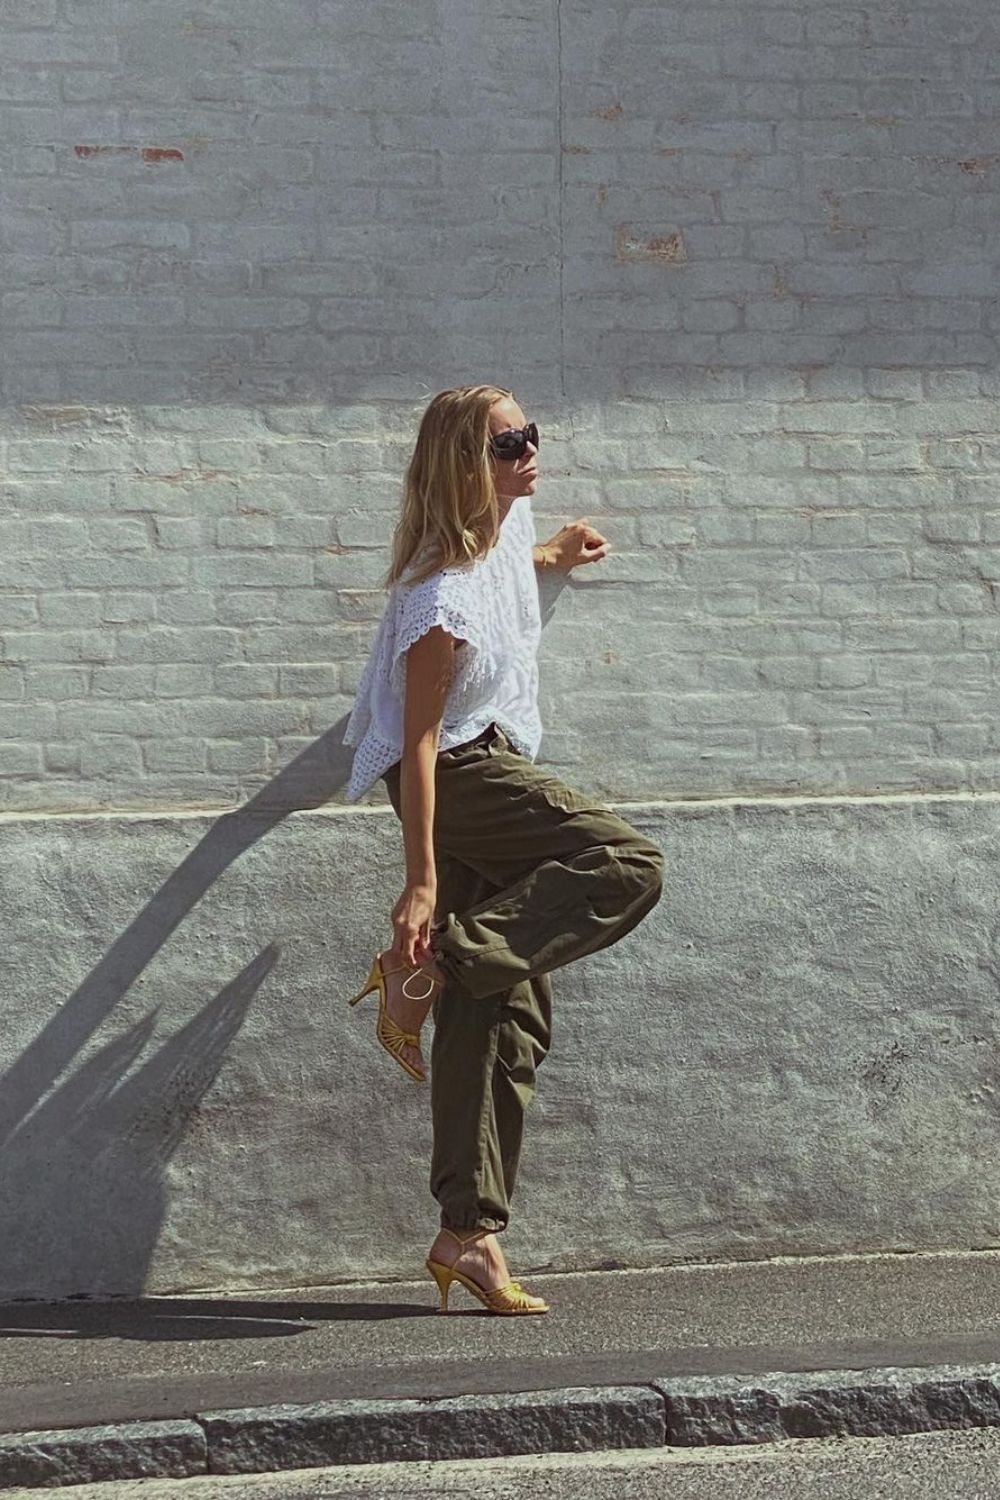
(275, 814)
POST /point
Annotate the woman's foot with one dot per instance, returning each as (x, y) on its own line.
(408, 1013)
(481, 1259)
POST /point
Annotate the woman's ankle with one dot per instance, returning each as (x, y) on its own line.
(463, 1240)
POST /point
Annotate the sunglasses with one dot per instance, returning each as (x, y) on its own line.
(513, 443)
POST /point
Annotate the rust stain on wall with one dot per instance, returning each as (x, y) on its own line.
(668, 249)
(577, 150)
(608, 111)
(85, 151)
(148, 153)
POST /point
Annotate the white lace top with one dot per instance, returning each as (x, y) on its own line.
(491, 606)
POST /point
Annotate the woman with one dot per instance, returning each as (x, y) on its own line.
(509, 872)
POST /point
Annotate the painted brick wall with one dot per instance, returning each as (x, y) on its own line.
(739, 259)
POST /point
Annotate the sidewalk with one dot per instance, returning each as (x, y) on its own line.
(618, 1356)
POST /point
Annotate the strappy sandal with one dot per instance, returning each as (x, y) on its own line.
(392, 1036)
(511, 1300)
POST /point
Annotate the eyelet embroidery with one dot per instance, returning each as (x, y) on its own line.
(492, 607)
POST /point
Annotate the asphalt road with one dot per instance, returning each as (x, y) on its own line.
(927, 1466)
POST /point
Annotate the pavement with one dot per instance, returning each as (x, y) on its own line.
(687, 1356)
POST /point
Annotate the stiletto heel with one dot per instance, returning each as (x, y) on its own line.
(444, 1278)
(371, 983)
(511, 1300)
(390, 1035)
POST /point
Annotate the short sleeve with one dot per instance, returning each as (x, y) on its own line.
(451, 599)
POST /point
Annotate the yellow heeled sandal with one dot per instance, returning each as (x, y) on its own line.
(392, 1036)
(511, 1300)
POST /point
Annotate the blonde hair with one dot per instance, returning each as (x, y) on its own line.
(449, 513)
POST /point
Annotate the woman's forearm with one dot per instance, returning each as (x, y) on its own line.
(416, 795)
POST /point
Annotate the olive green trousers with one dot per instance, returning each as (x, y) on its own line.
(530, 875)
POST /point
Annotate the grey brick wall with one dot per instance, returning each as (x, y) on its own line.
(739, 259)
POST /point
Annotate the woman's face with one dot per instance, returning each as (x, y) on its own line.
(518, 476)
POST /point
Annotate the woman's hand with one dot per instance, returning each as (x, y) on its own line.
(576, 542)
(412, 917)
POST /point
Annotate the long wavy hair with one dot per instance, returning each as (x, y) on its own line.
(449, 515)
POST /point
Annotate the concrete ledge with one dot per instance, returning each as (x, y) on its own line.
(817, 986)
(683, 1412)
(82, 1455)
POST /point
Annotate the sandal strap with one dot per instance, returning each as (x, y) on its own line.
(513, 1297)
(403, 969)
(393, 1033)
(467, 1239)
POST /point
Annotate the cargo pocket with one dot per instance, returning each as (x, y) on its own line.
(563, 798)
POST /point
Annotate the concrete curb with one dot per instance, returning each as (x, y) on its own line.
(78, 1455)
(686, 1411)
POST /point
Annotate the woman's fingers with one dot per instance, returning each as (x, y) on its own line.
(412, 944)
(407, 949)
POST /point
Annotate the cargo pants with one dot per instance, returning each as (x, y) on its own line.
(530, 876)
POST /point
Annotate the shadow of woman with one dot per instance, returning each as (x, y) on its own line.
(308, 781)
(181, 1319)
(85, 1168)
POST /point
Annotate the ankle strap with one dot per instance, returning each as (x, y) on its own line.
(466, 1239)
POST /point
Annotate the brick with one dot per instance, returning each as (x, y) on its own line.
(62, 760)
(71, 609)
(49, 683)
(110, 755)
(953, 526)
(161, 645)
(118, 682)
(119, 536)
(174, 755)
(240, 679)
(56, 645)
(20, 760)
(128, 608)
(309, 680)
(237, 755)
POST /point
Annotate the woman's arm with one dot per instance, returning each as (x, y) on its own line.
(429, 668)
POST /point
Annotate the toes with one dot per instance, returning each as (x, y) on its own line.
(415, 1059)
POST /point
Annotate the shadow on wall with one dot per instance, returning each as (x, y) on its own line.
(82, 1152)
(84, 1164)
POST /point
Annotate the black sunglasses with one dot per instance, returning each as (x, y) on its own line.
(513, 443)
